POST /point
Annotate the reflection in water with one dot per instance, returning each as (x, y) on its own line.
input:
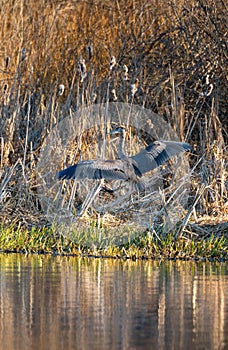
(74, 303)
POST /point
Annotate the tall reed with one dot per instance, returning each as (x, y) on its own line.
(176, 52)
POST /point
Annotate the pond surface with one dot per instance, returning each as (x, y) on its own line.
(74, 303)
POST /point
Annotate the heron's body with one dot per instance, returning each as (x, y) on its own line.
(125, 168)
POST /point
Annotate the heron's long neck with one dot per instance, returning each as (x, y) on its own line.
(121, 153)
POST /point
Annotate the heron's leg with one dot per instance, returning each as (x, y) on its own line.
(72, 195)
(90, 197)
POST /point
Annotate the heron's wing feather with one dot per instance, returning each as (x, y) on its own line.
(157, 153)
(95, 169)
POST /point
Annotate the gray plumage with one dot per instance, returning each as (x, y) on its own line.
(125, 168)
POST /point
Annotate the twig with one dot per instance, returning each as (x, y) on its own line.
(187, 217)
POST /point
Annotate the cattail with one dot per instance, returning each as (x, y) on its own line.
(23, 54)
(114, 95)
(82, 69)
(89, 51)
(134, 87)
(61, 89)
(209, 90)
(209, 87)
(7, 62)
(112, 62)
(94, 97)
(125, 68)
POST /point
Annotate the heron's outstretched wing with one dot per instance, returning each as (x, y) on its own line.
(157, 153)
(95, 169)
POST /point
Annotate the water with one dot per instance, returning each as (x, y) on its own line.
(73, 303)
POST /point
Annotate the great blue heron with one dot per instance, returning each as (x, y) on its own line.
(125, 168)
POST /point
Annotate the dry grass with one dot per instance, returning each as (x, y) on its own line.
(170, 47)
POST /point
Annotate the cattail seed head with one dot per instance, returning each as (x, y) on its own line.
(7, 62)
(134, 87)
(114, 95)
(89, 51)
(82, 69)
(23, 54)
(125, 68)
(209, 86)
(94, 97)
(61, 89)
(112, 62)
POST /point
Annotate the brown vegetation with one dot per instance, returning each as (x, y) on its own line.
(175, 49)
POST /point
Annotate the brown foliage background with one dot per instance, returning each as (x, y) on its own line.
(171, 47)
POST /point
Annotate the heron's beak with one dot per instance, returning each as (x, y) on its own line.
(114, 132)
(117, 131)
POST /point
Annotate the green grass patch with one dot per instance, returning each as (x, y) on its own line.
(143, 246)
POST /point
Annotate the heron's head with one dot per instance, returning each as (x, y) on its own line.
(120, 130)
